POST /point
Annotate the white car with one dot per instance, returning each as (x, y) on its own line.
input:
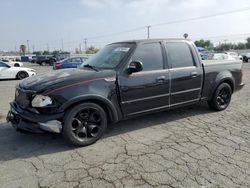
(224, 56)
(13, 63)
(9, 72)
(233, 55)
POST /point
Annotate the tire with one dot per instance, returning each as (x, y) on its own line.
(16, 65)
(43, 63)
(221, 97)
(21, 75)
(84, 124)
(245, 59)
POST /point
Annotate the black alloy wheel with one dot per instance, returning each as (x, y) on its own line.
(22, 74)
(221, 98)
(84, 124)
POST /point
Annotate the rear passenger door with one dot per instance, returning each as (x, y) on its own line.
(186, 75)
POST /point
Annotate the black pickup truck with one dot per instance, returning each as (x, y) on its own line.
(123, 80)
(45, 60)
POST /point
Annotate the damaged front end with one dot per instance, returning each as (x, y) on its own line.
(26, 114)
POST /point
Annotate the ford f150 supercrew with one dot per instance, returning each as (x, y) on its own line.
(123, 80)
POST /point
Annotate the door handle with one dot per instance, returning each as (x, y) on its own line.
(161, 79)
(194, 74)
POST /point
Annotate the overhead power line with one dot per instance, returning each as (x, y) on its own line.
(202, 17)
(174, 22)
(162, 24)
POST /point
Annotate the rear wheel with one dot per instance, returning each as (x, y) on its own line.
(84, 124)
(16, 65)
(221, 98)
(22, 74)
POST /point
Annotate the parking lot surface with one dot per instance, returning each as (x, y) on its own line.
(188, 147)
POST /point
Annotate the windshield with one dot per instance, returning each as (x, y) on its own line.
(109, 57)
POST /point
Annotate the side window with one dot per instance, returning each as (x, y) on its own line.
(150, 55)
(3, 65)
(179, 55)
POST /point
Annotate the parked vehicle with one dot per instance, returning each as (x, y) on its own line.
(121, 81)
(224, 56)
(245, 57)
(72, 62)
(45, 60)
(232, 55)
(12, 63)
(9, 72)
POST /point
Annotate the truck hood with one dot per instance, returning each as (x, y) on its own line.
(59, 78)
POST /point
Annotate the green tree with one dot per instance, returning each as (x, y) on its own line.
(241, 46)
(224, 47)
(248, 43)
(204, 43)
(91, 50)
(38, 53)
(23, 48)
(46, 53)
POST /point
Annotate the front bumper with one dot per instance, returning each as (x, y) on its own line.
(31, 122)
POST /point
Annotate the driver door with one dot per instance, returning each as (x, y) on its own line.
(148, 89)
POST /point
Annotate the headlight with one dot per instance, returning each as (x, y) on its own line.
(41, 101)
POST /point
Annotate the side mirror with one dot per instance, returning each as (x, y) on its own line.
(135, 66)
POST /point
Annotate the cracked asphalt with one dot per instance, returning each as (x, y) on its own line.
(188, 147)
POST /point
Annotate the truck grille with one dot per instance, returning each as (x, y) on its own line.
(23, 98)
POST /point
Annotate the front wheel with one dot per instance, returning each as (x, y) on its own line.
(221, 98)
(84, 124)
(22, 74)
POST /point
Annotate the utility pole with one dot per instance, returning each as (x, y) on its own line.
(48, 47)
(62, 44)
(85, 44)
(28, 46)
(148, 27)
(80, 48)
(33, 48)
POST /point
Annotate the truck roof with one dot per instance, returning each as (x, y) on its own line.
(153, 40)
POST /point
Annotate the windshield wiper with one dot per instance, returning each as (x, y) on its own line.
(92, 67)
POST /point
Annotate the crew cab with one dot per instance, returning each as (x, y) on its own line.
(123, 80)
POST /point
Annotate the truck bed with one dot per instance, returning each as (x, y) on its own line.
(216, 70)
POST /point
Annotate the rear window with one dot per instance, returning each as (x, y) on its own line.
(179, 55)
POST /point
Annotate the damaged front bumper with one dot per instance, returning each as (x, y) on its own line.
(31, 122)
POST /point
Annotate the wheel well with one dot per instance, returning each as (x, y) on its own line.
(105, 107)
(230, 83)
(19, 72)
(16, 65)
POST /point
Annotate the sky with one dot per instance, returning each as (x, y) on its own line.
(64, 24)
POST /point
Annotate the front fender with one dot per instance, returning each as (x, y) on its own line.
(97, 98)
